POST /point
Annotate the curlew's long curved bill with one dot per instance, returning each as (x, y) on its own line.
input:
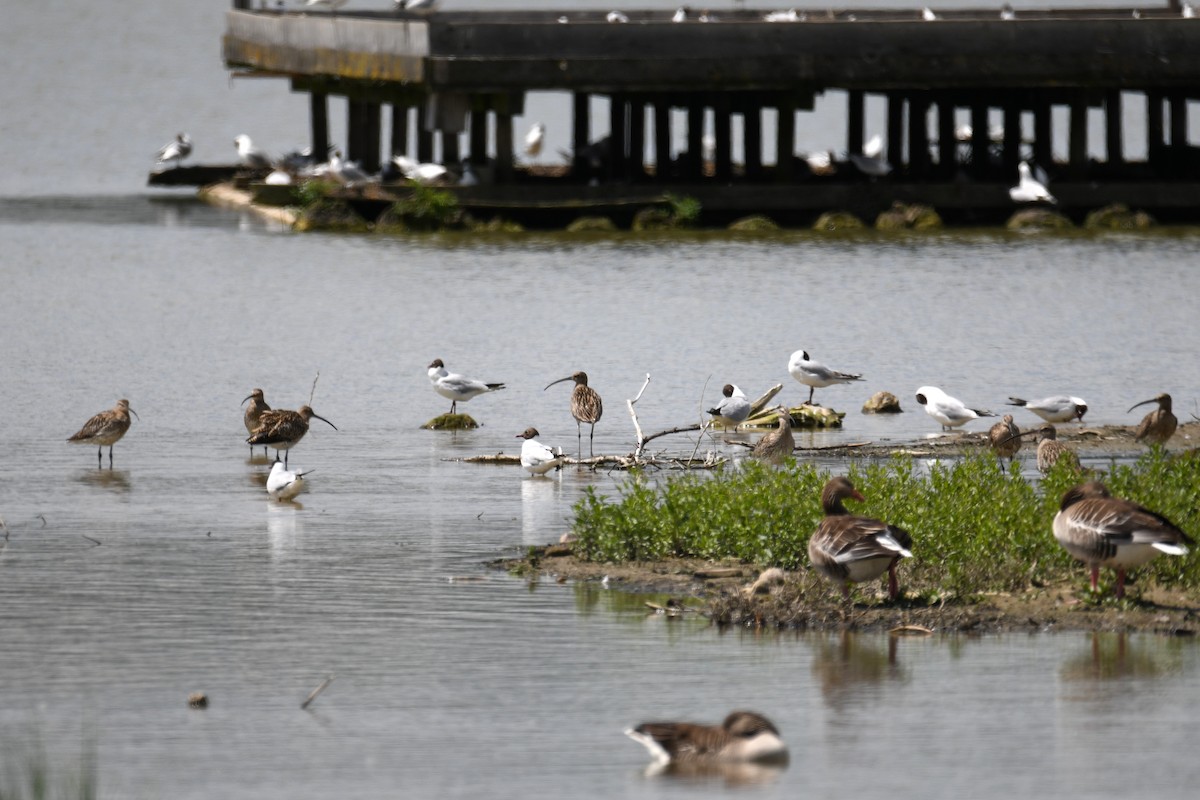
(1144, 402)
(1020, 435)
(244, 401)
(560, 380)
(327, 422)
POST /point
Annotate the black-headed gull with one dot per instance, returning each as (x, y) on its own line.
(1059, 408)
(816, 375)
(536, 457)
(283, 484)
(1028, 188)
(457, 388)
(176, 150)
(949, 411)
(733, 408)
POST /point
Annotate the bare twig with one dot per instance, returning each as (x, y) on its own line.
(313, 694)
(96, 542)
(314, 387)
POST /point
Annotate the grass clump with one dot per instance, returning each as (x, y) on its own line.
(428, 209)
(976, 525)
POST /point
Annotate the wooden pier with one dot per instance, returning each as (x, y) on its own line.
(448, 85)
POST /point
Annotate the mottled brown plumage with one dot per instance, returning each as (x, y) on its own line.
(1004, 437)
(1102, 530)
(742, 736)
(1159, 425)
(254, 413)
(850, 549)
(283, 429)
(777, 445)
(1049, 450)
(586, 406)
(105, 428)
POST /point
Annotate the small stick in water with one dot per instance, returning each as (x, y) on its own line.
(313, 694)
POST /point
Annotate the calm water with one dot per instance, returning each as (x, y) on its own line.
(493, 687)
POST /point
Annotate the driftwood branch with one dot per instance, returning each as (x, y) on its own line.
(641, 442)
(313, 694)
(313, 391)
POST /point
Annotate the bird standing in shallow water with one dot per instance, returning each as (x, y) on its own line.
(743, 736)
(1159, 425)
(1005, 437)
(105, 428)
(284, 485)
(457, 388)
(586, 406)
(283, 429)
(536, 457)
(777, 445)
(1105, 531)
(254, 413)
(849, 549)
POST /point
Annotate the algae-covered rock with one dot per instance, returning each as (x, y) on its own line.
(591, 223)
(331, 215)
(1029, 219)
(882, 403)
(908, 217)
(754, 223)
(1118, 217)
(391, 221)
(832, 221)
(498, 225)
(807, 416)
(451, 422)
(654, 219)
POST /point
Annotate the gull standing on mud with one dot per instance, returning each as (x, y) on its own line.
(283, 429)
(1105, 531)
(816, 375)
(1059, 408)
(536, 457)
(947, 410)
(586, 406)
(1159, 425)
(105, 428)
(849, 549)
(744, 736)
(457, 388)
(254, 413)
(733, 408)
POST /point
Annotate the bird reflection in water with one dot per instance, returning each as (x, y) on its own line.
(283, 524)
(844, 665)
(114, 480)
(724, 773)
(1114, 656)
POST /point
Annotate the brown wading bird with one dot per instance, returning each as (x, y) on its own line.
(1005, 437)
(744, 736)
(283, 429)
(1049, 450)
(1105, 531)
(254, 412)
(1159, 425)
(106, 428)
(848, 549)
(585, 406)
(776, 445)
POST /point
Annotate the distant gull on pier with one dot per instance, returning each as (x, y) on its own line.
(783, 16)
(534, 139)
(1028, 189)
(250, 155)
(415, 6)
(1006, 13)
(928, 15)
(346, 172)
(616, 16)
(425, 174)
(176, 150)
(681, 14)
(332, 5)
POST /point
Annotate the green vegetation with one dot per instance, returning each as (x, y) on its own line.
(26, 774)
(306, 193)
(976, 526)
(428, 209)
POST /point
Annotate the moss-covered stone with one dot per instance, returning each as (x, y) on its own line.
(833, 221)
(1118, 217)
(654, 219)
(755, 223)
(391, 221)
(331, 215)
(882, 403)
(908, 217)
(588, 224)
(451, 422)
(498, 225)
(1029, 219)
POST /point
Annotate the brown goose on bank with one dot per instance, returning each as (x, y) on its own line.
(849, 549)
(105, 428)
(743, 736)
(1105, 531)
(585, 407)
(283, 429)
(1159, 425)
